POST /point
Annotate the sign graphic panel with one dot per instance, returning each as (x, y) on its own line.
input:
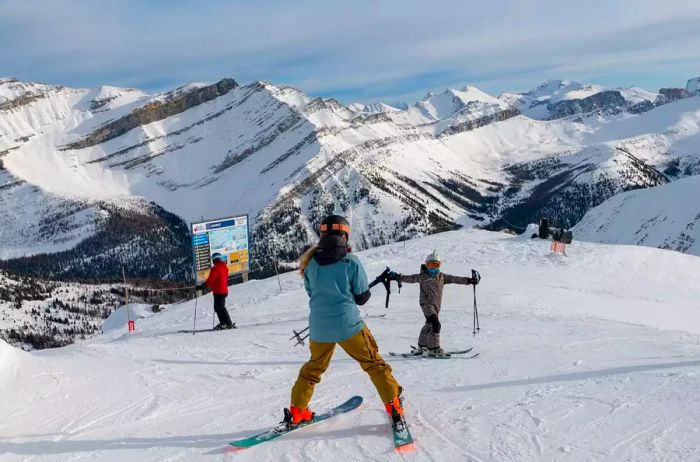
(227, 236)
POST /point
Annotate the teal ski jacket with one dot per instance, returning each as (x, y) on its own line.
(336, 283)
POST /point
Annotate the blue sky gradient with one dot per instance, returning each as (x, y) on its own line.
(363, 50)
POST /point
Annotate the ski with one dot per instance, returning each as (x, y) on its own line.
(410, 356)
(190, 331)
(417, 354)
(281, 429)
(449, 357)
(403, 440)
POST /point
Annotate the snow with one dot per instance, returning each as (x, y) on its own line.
(636, 95)
(593, 356)
(8, 357)
(120, 317)
(666, 216)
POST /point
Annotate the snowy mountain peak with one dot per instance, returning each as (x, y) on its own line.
(105, 97)
(556, 98)
(438, 106)
(15, 93)
(7, 80)
(372, 108)
(553, 91)
(693, 86)
(157, 108)
(288, 95)
(470, 93)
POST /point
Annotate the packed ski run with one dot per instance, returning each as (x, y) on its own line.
(590, 356)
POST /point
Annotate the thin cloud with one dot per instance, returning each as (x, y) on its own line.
(362, 50)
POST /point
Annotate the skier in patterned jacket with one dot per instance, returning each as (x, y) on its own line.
(432, 282)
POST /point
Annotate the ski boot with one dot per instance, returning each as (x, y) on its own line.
(436, 353)
(295, 416)
(418, 351)
(222, 326)
(394, 409)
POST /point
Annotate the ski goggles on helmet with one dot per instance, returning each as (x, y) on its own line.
(337, 227)
(432, 264)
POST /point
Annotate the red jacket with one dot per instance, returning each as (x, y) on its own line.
(218, 278)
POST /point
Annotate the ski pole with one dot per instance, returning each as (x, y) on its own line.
(296, 334)
(194, 322)
(476, 277)
(301, 340)
(476, 315)
(387, 285)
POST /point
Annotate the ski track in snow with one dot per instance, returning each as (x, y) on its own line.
(577, 362)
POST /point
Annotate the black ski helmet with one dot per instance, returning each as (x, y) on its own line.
(335, 224)
(217, 256)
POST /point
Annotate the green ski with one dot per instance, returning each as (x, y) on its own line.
(282, 429)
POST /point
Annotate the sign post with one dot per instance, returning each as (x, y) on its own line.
(131, 324)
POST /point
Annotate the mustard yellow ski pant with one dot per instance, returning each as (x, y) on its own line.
(362, 348)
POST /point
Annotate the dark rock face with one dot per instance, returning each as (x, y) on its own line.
(673, 94)
(605, 102)
(154, 111)
(96, 104)
(20, 101)
(641, 107)
(480, 122)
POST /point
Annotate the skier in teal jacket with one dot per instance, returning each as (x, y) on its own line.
(336, 283)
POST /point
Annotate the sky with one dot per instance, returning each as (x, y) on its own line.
(360, 50)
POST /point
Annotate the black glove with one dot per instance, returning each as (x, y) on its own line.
(385, 274)
(476, 277)
(200, 287)
(434, 323)
(394, 276)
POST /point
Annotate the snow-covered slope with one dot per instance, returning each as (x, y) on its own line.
(593, 356)
(666, 216)
(73, 160)
(10, 358)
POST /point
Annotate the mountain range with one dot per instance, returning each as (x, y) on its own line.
(93, 180)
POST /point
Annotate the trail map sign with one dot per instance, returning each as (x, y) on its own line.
(227, 236)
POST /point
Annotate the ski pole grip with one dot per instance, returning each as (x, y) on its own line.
(476, 276)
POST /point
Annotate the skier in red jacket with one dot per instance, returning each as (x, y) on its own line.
(218, 283)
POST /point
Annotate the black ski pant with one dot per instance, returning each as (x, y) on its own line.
(221, 311)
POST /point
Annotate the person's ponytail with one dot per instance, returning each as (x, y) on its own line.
(306, 258)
